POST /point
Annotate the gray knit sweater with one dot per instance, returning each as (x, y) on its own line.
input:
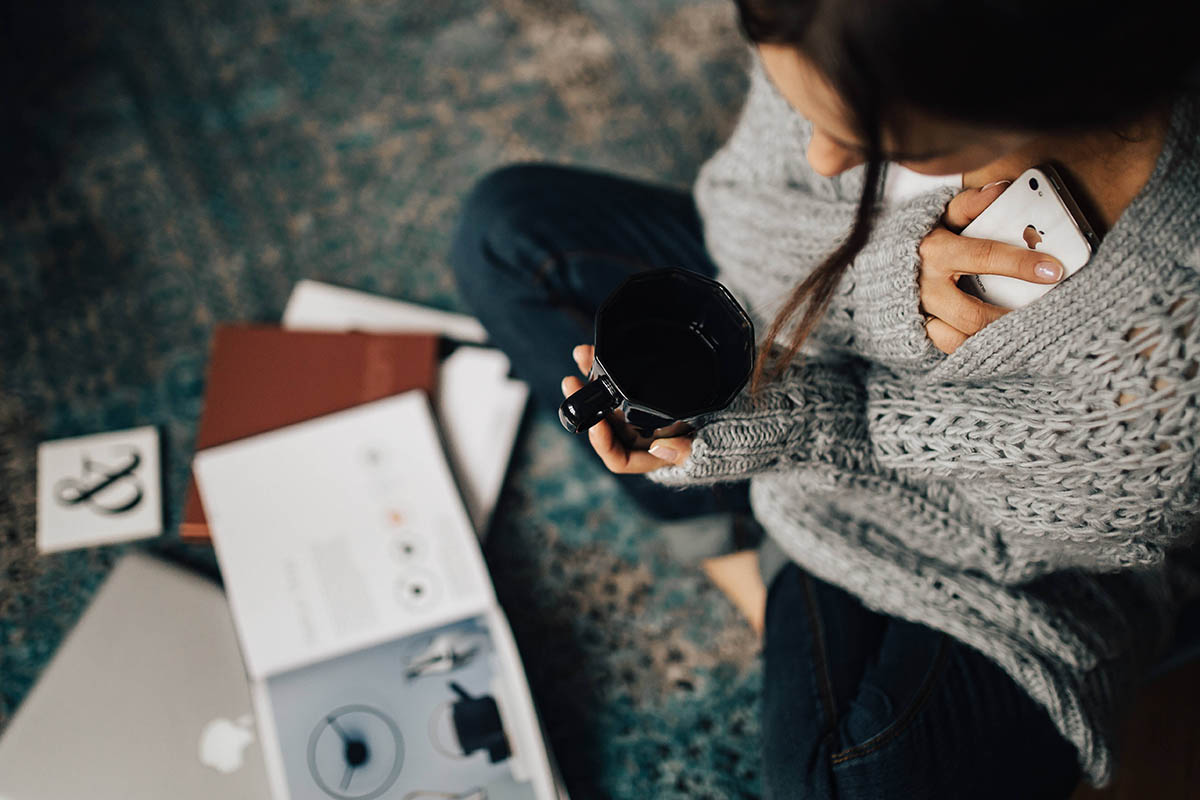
(1032, 493)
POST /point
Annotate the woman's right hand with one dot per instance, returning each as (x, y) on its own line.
(616, 456)
(951, 315)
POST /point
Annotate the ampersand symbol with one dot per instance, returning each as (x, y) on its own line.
(110, 481)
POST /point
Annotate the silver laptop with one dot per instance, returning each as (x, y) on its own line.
(147, 698)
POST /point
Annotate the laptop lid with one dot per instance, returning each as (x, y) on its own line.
(146, 698)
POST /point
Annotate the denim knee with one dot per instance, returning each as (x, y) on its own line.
(497, 211)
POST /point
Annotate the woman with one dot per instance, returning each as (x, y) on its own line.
(979, 522)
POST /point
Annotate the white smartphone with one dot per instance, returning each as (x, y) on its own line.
(1036, 212)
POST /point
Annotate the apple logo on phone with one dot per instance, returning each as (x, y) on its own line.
(1032, 237)
(223, 741)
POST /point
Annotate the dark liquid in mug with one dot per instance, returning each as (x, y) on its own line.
(666, 366)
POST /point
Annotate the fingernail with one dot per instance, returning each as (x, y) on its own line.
(987, 186)
(1048, 270)
(563, 387)
(659, 450)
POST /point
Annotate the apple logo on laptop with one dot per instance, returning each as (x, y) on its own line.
(223, 741)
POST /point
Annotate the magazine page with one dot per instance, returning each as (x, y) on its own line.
(339, 533)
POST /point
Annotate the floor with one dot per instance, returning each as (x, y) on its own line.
(185, 162)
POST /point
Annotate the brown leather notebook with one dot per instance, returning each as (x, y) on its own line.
(263, 377)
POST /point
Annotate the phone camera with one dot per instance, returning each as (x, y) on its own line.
(1033, 184)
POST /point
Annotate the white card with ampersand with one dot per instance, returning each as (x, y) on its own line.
(99, 489)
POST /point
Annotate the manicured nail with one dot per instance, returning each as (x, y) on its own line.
(987, 186)
(659, 450)
(1048, 270)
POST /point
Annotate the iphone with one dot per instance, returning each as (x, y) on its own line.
(1035, 212)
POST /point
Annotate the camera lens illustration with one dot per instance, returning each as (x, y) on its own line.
(355, 753)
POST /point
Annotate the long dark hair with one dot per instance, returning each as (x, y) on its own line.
(1033, 65)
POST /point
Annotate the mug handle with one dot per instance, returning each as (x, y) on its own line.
(588, 406)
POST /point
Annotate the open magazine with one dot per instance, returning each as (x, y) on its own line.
(380, 661)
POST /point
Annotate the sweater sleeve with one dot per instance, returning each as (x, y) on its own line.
(814, 413)
(1036, 464)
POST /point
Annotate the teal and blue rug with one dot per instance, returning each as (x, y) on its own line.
(170, 165)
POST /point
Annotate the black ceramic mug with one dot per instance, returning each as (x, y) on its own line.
(671, 348)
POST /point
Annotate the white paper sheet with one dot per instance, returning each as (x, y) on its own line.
(319, 306)
(480, 408)
(98, 489)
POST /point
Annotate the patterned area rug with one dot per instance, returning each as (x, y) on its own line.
(172, 165)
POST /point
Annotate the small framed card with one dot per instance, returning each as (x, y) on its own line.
(99, 489)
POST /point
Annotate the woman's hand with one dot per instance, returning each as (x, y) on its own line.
(951, 314)
(615, 455)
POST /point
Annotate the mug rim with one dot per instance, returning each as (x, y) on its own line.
(723, 399)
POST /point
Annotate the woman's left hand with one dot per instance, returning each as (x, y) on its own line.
(615, 455)
(952, 315)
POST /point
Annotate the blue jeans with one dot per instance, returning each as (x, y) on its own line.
(855, 704)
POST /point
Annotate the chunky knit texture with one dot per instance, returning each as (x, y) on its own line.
(1032, 494)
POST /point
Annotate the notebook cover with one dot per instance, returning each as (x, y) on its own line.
(262, 377)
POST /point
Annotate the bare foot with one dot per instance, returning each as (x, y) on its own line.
(738, 577)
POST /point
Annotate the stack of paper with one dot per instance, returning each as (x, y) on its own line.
(479, 435)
